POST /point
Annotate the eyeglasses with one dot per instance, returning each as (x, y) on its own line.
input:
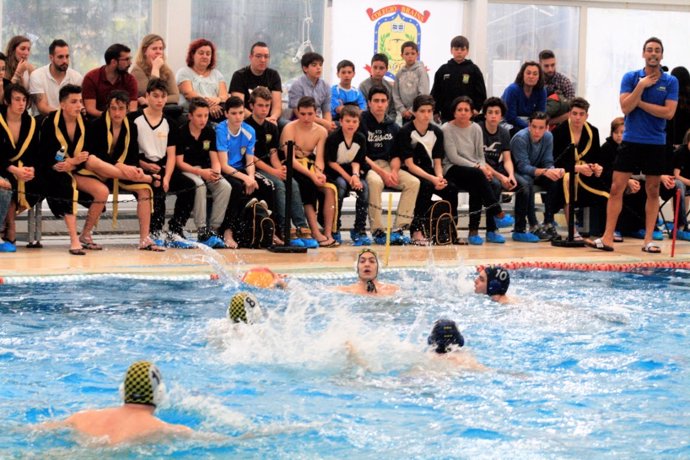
(262, 56)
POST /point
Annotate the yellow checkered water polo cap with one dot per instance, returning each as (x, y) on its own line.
(143, 384)
(244, 308)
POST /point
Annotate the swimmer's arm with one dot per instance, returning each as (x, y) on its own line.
(354, 357)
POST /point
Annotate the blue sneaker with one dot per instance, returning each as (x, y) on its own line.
(379, 237)
(336, 236)
(475, 240)
(359, 238)
(157, 240)
(494, 237)
(683, 235)
(178, 241)
(505, 221)
(213, 242)
(657, 235)
(638, 234)
(310, 243)
(8, 247)
(525, 237)
(398, 238)
(297, 243)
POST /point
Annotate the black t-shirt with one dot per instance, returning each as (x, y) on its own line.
(494, 145)
(338, 151)
(98, 143)
(244, 81)
(422, 148)
(267, 138)
(196, 151)
(681, 160)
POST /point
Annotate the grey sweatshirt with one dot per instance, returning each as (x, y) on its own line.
(410, 82)
(464, 146)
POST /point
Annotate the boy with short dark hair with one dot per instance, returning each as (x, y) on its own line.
(346, 167)
(379, 69)
(343, 93)
(458, 77)
(410, 81)
(311, 84)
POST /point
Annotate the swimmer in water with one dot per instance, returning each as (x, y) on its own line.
(446, 343)
(264, 278)
(142, 391)
(367, 267)
(493, 281)
(244, 308)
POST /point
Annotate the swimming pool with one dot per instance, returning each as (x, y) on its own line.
(585, 365)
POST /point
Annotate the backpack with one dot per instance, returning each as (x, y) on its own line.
(256, 228)
(440, 227)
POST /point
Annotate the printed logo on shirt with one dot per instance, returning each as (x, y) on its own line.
(243, 150)
(465, 78)
(207, 145)
(446, 76)
(269, 138)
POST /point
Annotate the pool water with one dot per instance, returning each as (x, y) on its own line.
(584, 365)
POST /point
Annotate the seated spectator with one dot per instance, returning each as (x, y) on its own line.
(198, 160)
(270, 163)
(421, 148)
(113, 140)
(497, 147)
(525, 96)
(379, 69)
(245, 80)
(235, 141)
(157, 136)
(201, 78)
(19, 153)
(346, 150)
(46, 81)
(343, 93)
(532, 148)
(590, 191)
(101, 81)
(309, 164)
(4, 82)
(149, 63)
(384, 164)
(312, 85)
(464, 165)
(681, 172)
(18, 67)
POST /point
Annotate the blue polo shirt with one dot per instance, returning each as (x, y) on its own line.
(640, 126)
(237, 145)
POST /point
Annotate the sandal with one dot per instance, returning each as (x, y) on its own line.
(149, 245)
(328, 243)
(77, 252)
(90, 245)
(598, 244)
(651, 248)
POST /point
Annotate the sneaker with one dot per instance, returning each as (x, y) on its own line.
(525, 237)
(475, 240)
(177, 240)
(359, 238)
(398, 238)
(379, 237)
(552, 232)
(213, 241)
(336, 236)
(494, 237)
(157, 240)
(541, 233)
(683, 235)
(638, 234)
(505, 221)
(6, 246)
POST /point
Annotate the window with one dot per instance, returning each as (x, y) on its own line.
(517, 33)
(89, 26)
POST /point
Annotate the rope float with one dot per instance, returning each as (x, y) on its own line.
(73, 278)
(600, 267)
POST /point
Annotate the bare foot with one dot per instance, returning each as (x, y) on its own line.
(230, 242)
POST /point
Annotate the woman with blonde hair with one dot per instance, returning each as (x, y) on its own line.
(18, 66)
(150, 63)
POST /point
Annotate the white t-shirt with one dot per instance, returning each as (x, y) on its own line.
(42, 82)
(204, 86)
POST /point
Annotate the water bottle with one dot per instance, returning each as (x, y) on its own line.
(60, 155)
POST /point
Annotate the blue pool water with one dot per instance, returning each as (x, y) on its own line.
(585, 365)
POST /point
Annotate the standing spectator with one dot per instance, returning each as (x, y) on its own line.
(343, 93)
(410, 81)
(311, 84)
(379, 68)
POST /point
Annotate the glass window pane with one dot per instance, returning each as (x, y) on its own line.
(517, 33)
(89, 26)
(285, 25)
(614, 47)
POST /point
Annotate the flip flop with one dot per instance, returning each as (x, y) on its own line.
(326, 244)
(91, 246)
(598, 244)
(151, 246)
(77, 252)
(651, 248)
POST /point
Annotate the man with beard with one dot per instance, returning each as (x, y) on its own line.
(46, 81)
(99, 82)
(648, 98)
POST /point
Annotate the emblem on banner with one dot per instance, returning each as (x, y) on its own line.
(395, 25)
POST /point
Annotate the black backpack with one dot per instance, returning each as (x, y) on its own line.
(256, 228)
(440, 227)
